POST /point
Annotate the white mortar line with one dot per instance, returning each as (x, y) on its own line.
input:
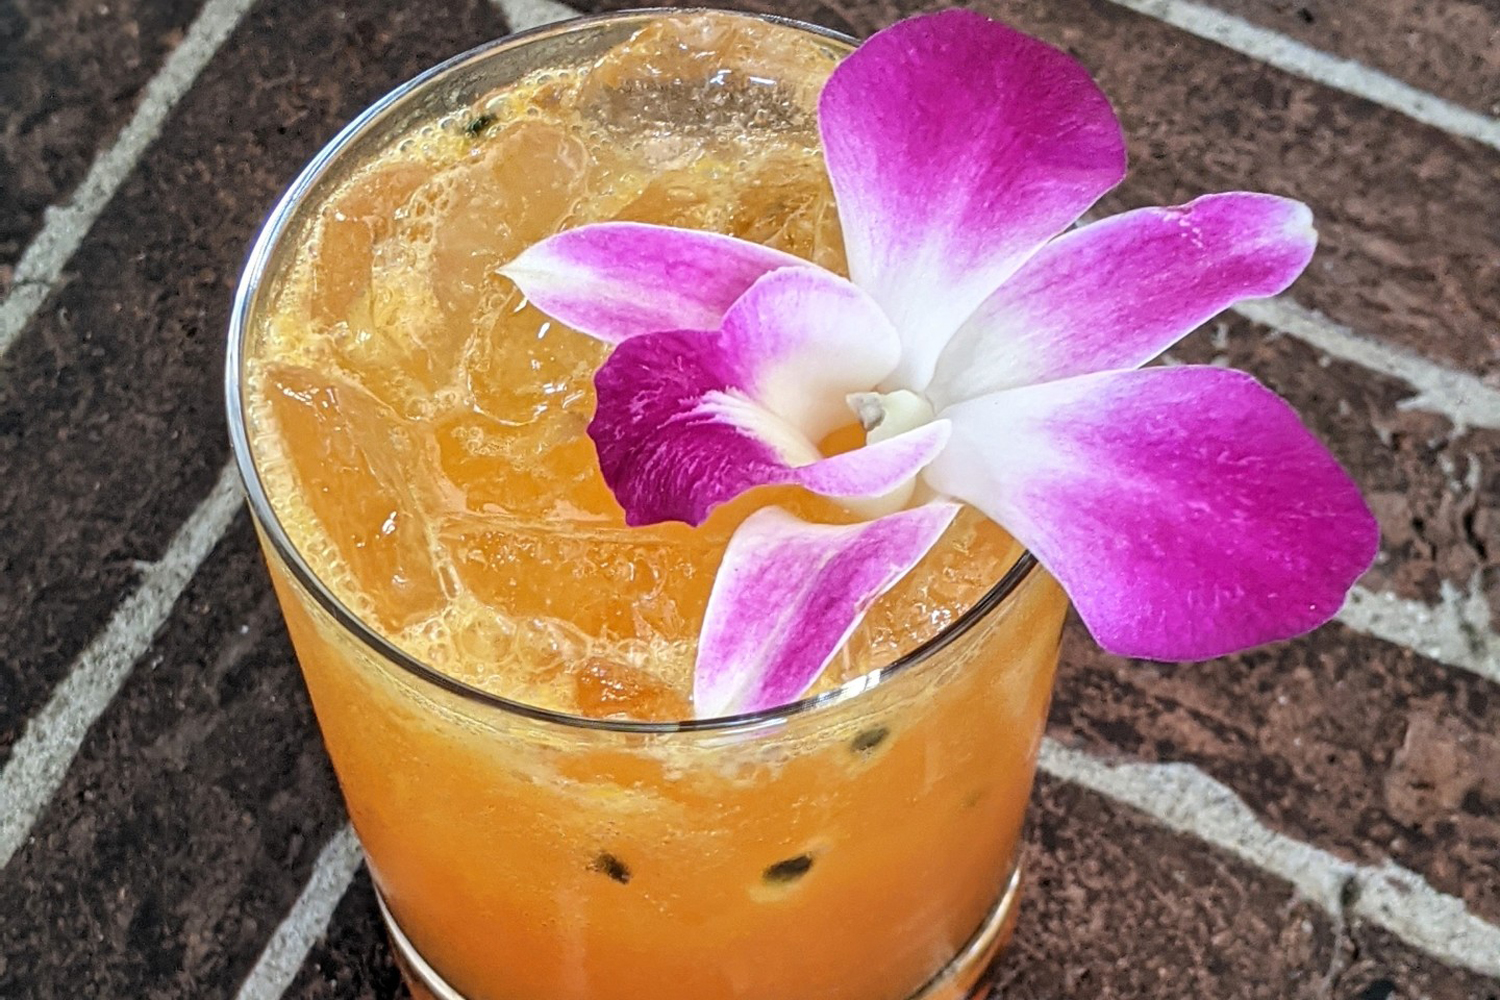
(306, 921)
(40, 757)
(1460, 397)
(65, 225)
(1302, 60)
(1184, 799)
(523, 15)
(1457, 631)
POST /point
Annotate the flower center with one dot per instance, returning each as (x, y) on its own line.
(883, 415)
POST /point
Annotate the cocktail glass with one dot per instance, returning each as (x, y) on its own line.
(860, 844)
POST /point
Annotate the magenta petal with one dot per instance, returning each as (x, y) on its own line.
(956, 147)
(1117, 293)
(787, 596)
(614, 280)
(688, 420)
(1186, 511)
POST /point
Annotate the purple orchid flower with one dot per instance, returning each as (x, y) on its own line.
(1185, 510)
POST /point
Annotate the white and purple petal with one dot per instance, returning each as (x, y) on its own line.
(687, 420)
(802, 340)
(958, 146)
(614, 280)
(1187, 511)
(1117, 293)
(788, 594)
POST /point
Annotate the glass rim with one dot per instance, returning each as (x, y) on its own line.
(263, 250)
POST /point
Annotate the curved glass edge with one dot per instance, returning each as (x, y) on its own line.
(265, 515)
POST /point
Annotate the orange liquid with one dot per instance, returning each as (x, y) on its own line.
(420, 431)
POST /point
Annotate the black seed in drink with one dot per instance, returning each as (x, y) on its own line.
(607, 864)
(869, 739)
(479, 125)
(789, 870)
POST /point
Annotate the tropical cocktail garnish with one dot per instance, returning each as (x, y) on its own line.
(989, 354)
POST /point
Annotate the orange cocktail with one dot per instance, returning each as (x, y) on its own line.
(500, 667)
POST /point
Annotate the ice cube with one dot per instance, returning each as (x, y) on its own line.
(363, 213)
(605, 687)
(528, 178)
(355, 464)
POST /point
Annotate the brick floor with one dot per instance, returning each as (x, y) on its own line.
(192, 816)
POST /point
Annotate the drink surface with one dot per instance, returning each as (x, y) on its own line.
(421, 430)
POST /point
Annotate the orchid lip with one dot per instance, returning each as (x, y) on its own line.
(689, 419)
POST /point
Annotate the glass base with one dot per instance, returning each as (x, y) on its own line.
(963, 978)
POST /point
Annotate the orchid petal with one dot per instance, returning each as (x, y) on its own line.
(957, 147)
(1186, 511)
(1117, 293)
(688, 420)
(788, 594)
(614, 280)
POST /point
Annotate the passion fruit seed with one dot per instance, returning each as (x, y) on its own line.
(607, 864)
(479, 125)
(789, 870)
(869, 739)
